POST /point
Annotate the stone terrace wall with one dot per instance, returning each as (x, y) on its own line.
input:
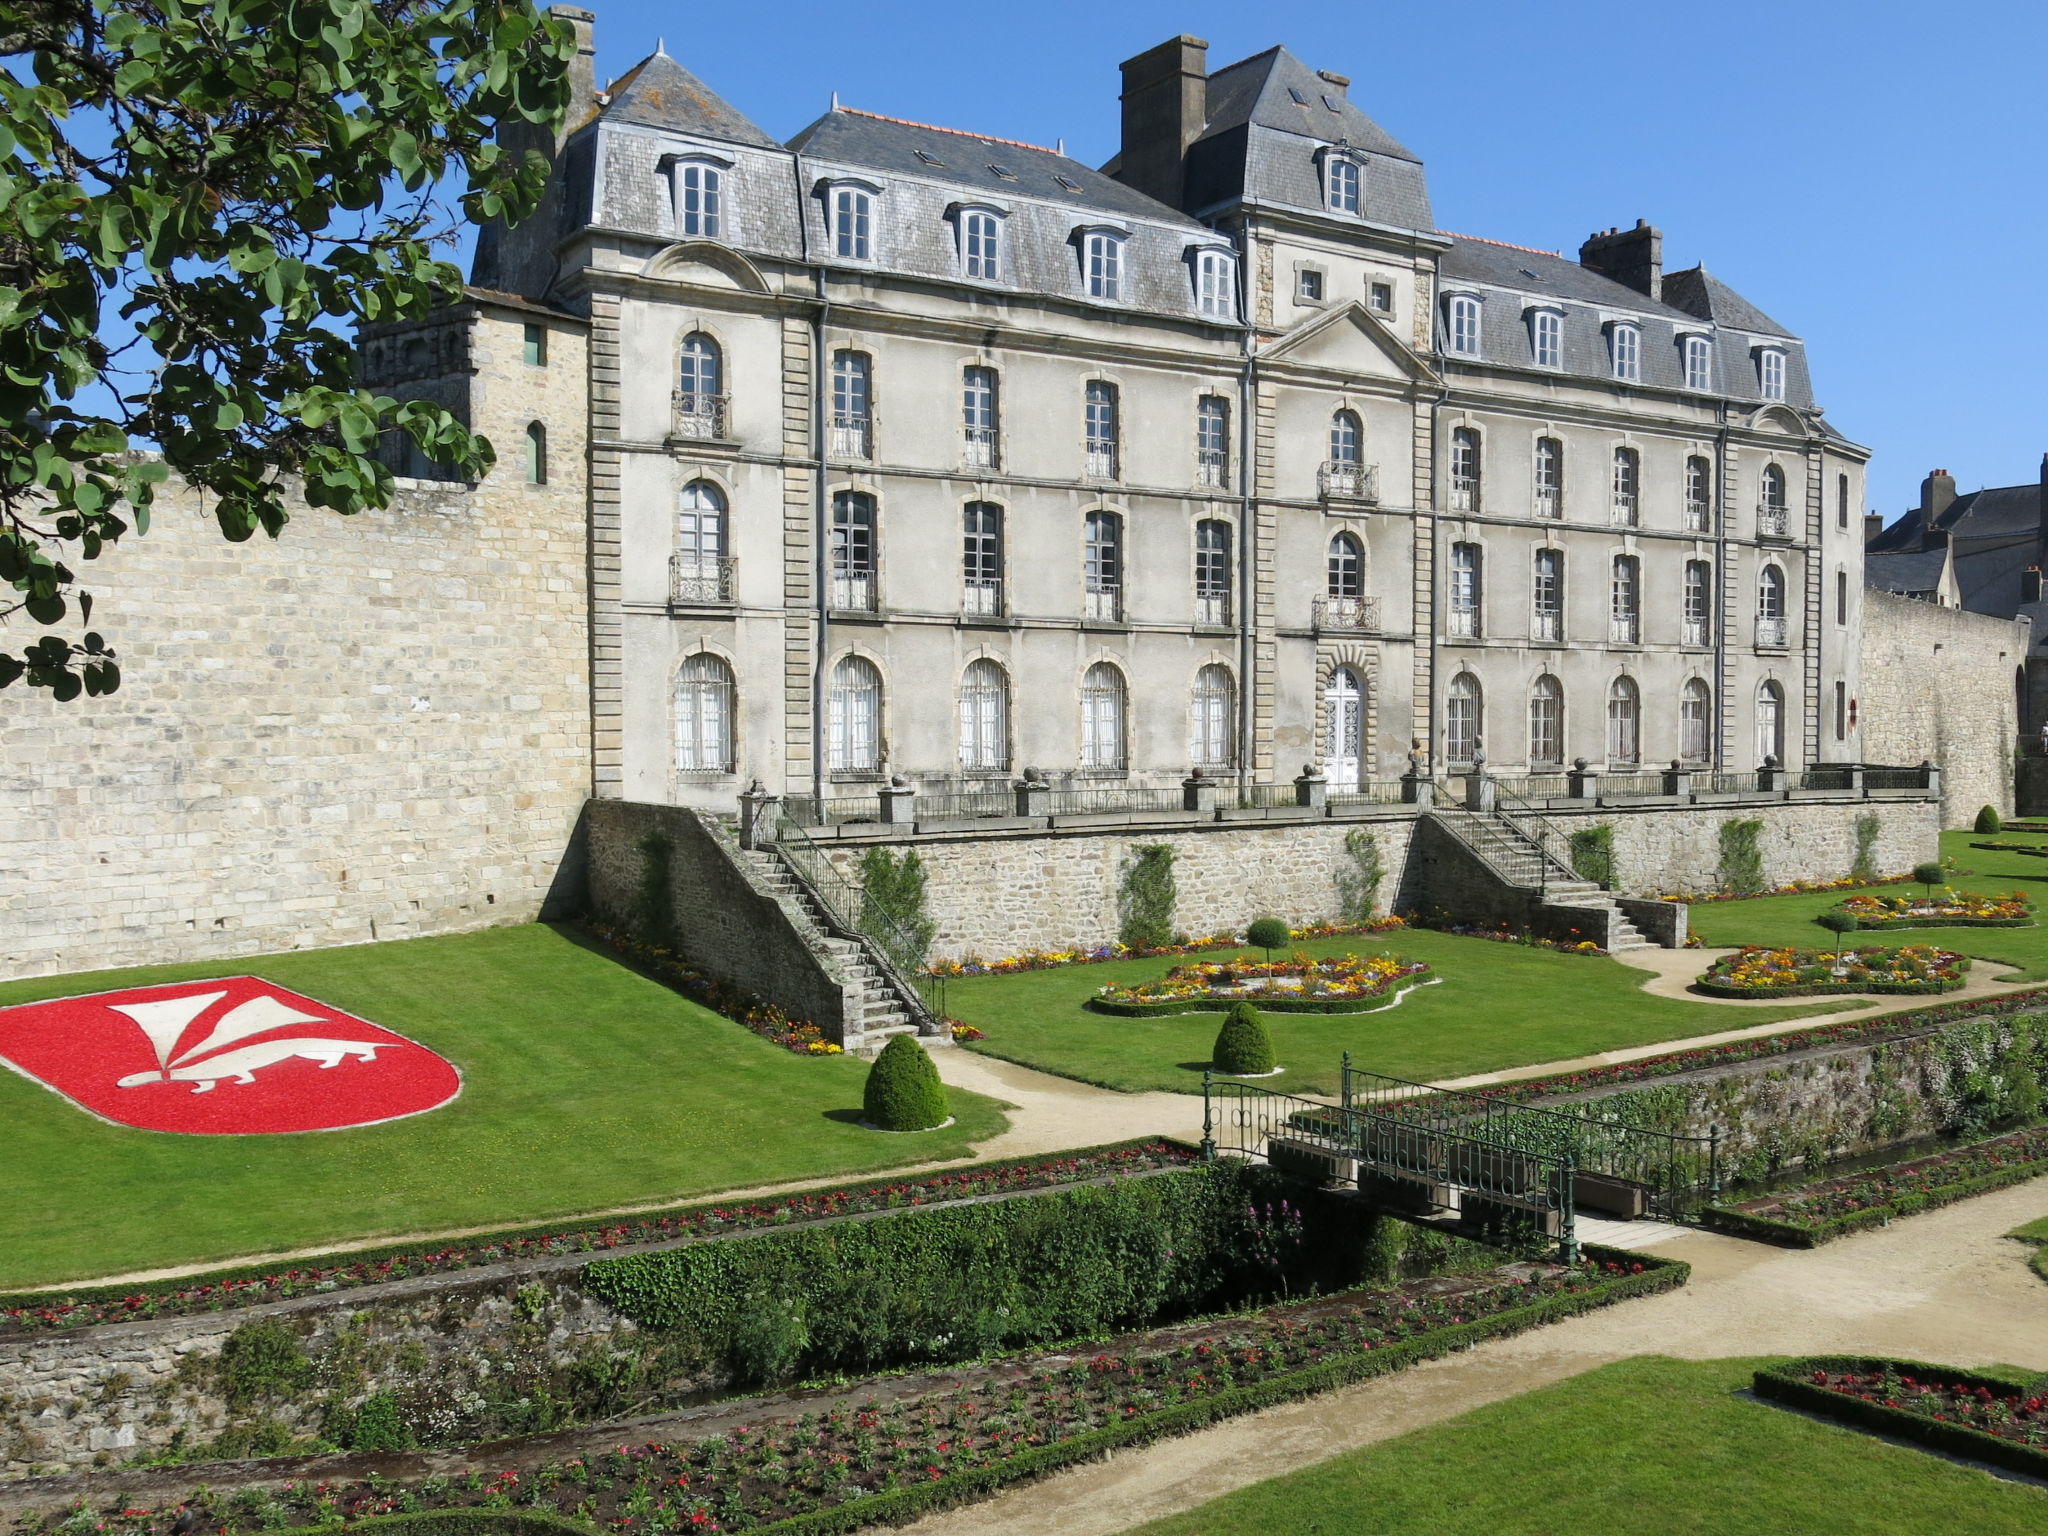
(1940, 683)
(369, 728)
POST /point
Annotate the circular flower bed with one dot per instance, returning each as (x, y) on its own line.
(1949, 909)
(1345, 984)
(1757, 972)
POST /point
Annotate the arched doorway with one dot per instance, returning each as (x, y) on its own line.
(1343, 729)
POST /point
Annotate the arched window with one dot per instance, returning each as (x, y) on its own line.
(1343, 728)
(1100, 426)
(1466, 469)
(1624, 724)
(1103, 566)
(536, 454)
(853, 551)
(1102, 264)
(699, 571)
(1341, 182)
(853, 405)
(1546, 723)
(1772, 627)
(1628, 484)
(853, 213)
(1212, 572)
(1462, 327)
(1770, 723)
(1695, 722)
(984, 718)
(704, 716)
(700, 200)
(1215, 276)
(1772, 514)
(1464, 718)
(1212, 719)
(1344, 473)
(1549, 476)
(700, 388)
(854, 723)
(1346, 567)
(1770, 373)
(1102, 718)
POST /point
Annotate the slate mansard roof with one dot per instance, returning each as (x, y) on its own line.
(659, 93)
(1991, 516)
(1906, 574)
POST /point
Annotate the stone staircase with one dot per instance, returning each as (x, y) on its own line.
(1522, 861)
(883, 1009)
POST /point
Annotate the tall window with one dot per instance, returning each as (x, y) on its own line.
(1773, 516)
(1344, 472)
(1546, 338)
(1344, 605)
(853, 551)
(1100, 413)
(1212, 572)
(1340, 180)
(536, 454)
(1212, 719)
(1698, 603)
(853, 408)
(1102, 265)
(1697, 354)
(1465, 470)
(1546, 723)
(1465, 591)
(1624, 724)
(981, 244)
(1628, 477)
(978, 408)
(699, 572)
(1102, 718)
(1549, 477)
(1770, 373)
(853, 727)
(700, 200)
(1103, 566)
(984, 718)
(1463, 327)
(1625, 347)
(1464, 718)
(853, 214)
(1547, 619)
(981, 547)
(533, 345)
(1841, 597)
(704, 716)
(1216, 284)
(1770, 722)
(1841, 501)
(1212, 442)
(1695, 722)
(700, 388)
(1343, 728)
(1771, 627)
(1625, 601)
(1699, 495)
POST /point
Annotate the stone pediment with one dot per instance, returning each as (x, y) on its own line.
(1349, 339)
(706, 265)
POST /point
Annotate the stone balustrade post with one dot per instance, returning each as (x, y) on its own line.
(1583, 782)
(1771, 777)
(1198, 793)
(1311, 789)
(1034, 795)
(1677, 780)
(899, 802)
(1417, 787)
(757, 815)
(1481, 793)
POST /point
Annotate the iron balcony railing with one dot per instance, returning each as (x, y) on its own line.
(1773, 521)
(701, 579)
(1729, 783)
(981, 598)
(1212, 469)
(1628, 782)
(1547, 624)
(1111, 800)
(1361, 614)
(1835, 777)
(1367, 792)
(1538, 786)
(1105, 604)
(1697, 632)
(965, 804)
(853, 437)
(1894, 778)
(1772, 631)
(701, 416)
(1464, 623)
(1212, 608)
(854, 592)
(1102, 461)
(1699, 517)
(978, 450)
(1626, 509)
(1624, 628)
(1549, 504)
(1464, 495)
(1346, 479)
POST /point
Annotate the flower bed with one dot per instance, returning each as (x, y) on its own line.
(1095, 954)
(1982, 1418)
(717, 994)
(886, 1462)
(1346, 984)
(1951, 909)
(1796, 888)
(224, 1290)
(2031, 850)
(1501, 933)
(1754, 971)
(1817, 1213)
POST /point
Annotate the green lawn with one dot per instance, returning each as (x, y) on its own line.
(586, 1086)
(1788, 920)
(1498, 1005)
(1645, 1447)
(2036, 1232)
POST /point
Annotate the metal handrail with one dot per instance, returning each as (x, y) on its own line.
(1507, 805)
(892, 948)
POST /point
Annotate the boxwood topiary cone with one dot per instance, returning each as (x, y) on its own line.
(1987, 820)
(1243, 1048)
(904, 1092)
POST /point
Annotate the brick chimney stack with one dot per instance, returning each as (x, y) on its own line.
(1632, 257)
(1166, 103)
(1937, 494)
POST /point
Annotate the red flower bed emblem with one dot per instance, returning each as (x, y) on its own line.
(232, 1057)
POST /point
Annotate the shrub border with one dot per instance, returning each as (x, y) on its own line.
(1829, 988)
(1166, 1007)
(1796, 1234)
(1786, 1384)
(1882, 924)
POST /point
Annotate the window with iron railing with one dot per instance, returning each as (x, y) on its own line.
(1546, 723)
(1547, 618)
(699, 397)
(1773, 514)
(984, 717)
(1466, 469)
(981, 558)
(1698, 612)
(1695, 722)
(1549, 477)
(699, 569)
(1212, 719)
(1699, 495)
(1101, 428)
(853, 726)
(1465, 591)
(1625, 605)
(1772, 628)
(853, 551)
(1464, 718)
(1628, 476)
(1103, 567)
(704, 716)
(979, 420)
(1212, 572)
(1624, 724)
(1102, 718)
(1212, 442)
(853, 422)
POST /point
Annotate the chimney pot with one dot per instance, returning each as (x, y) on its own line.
(1632, 257)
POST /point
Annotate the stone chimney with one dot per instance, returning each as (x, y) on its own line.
(1166, 102)
(1632, 257)
(521, 259)
(1873, 525)
(1937, 494)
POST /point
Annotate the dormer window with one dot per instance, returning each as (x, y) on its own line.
(698, 187)
(1341, 179)
(1546, 338)
(1102, 264)
(853, 223)
(1770, 372)
(1625, 351)
(1697, 354)
(1461, 330)
(1215, 275)
(981, 244)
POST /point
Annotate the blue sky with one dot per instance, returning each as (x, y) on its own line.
(1871, 175)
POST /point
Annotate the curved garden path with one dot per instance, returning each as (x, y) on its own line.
(1947, 1286)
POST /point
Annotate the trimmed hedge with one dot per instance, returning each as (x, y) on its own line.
(1831, 988)
(1791, 1385)
(1883, 924)
(1793, 1234)
(903, 1090)
(1279, 1003)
